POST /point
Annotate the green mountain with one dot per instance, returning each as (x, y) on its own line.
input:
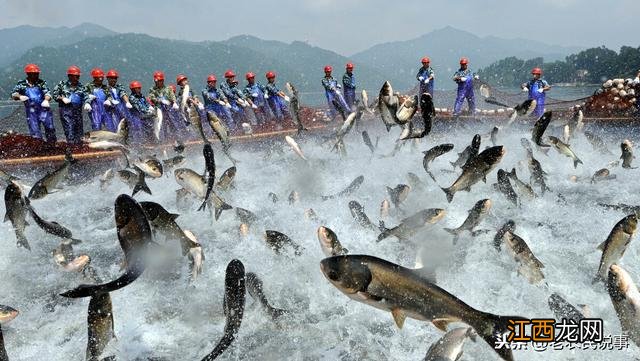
(591, 66)
(401, 59)
(16, 41)
(137, 56)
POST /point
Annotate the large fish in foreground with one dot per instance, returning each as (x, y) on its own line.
(134, 234)
(626, 301)
(99, 325)
(614, 247)
(387, 105)
(412, 224)
(476, 170)
(16, 206)
(234, 300)
(405, 293)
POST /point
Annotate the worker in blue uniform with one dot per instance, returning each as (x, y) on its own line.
(464, 78)
(70, 96)
(141, 115)
(537, 87)
(426, 77)
(276, 98)
(256, 93)
(98, 97)
(334, 95)
(215, 100)
(349, 86)
(35, 95)
(120, 104)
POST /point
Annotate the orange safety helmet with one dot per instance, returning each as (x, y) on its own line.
(158, 75)
(349, 66)
(426, 60)
(250, 75)
(229, 74)
(536, 71)
(464, 61)
(112, 73)
(211, 77)
(270, 75)
(328, 69)
(73, 70)
(180, 78)
(31, 68)
(97, 73)
(135, 85)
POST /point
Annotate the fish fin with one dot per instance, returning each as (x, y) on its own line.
(173, 216)
(398, 317)
(220, 209)
(75, 241)
(203, 206)
(576, 162)
(602, 245)
(6, 217)
(442, 323)
(453, 231)
(448, 193)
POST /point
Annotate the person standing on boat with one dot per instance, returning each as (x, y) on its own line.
(215, 100)
(349, 86)
(537, 88)
(464, 77)
(70, 96)
(141, 115)
(256, 92)
(426, 77)
(98, 97)
(35, 95)
(164, 98)
(120, 103)
(235, 97)
(276, 98)
(334, 96)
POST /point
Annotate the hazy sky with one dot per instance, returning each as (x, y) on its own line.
(345, 26)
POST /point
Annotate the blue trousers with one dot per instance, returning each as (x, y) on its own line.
(37, 116)
(72, 123)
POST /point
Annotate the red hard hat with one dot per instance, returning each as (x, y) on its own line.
(536, 71)
(349, 66)
(328, 69)
(464, 61)
(180, 78)
(97, 73)
(135, 85)
(270, 75)
(73, 70)
(211, 77)
(173, 87)
(426, 60)
(250, 75)
(158, 75)
(112, 73)
(31, 68)
(229, 74)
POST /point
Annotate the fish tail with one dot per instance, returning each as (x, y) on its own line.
(576, 162)
(491, 328)
(384, 231)
(448, 193)
(203, 206)
(220, 209)
(22, 240)
(141, 185)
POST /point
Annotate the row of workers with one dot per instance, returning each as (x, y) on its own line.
(107, 103)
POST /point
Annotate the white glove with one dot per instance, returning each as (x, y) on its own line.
(476, 77)
(45, 104)
(540, 90)
(227, 105)
(463, 78)
(165, 102)
(254, 106)
(221, 102)
(255, 95)
(426, 81)
(91, 97)
(175, 106)
(421, 78)
(636, 80)
(525, 89)
(338, 86)
(151, 109)
(87, 107)
(23, 98)
(66, 100)
(115, 102)
(128, 105)
(286, 98)
(107, 102)
(266, 96)
(200, 106)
